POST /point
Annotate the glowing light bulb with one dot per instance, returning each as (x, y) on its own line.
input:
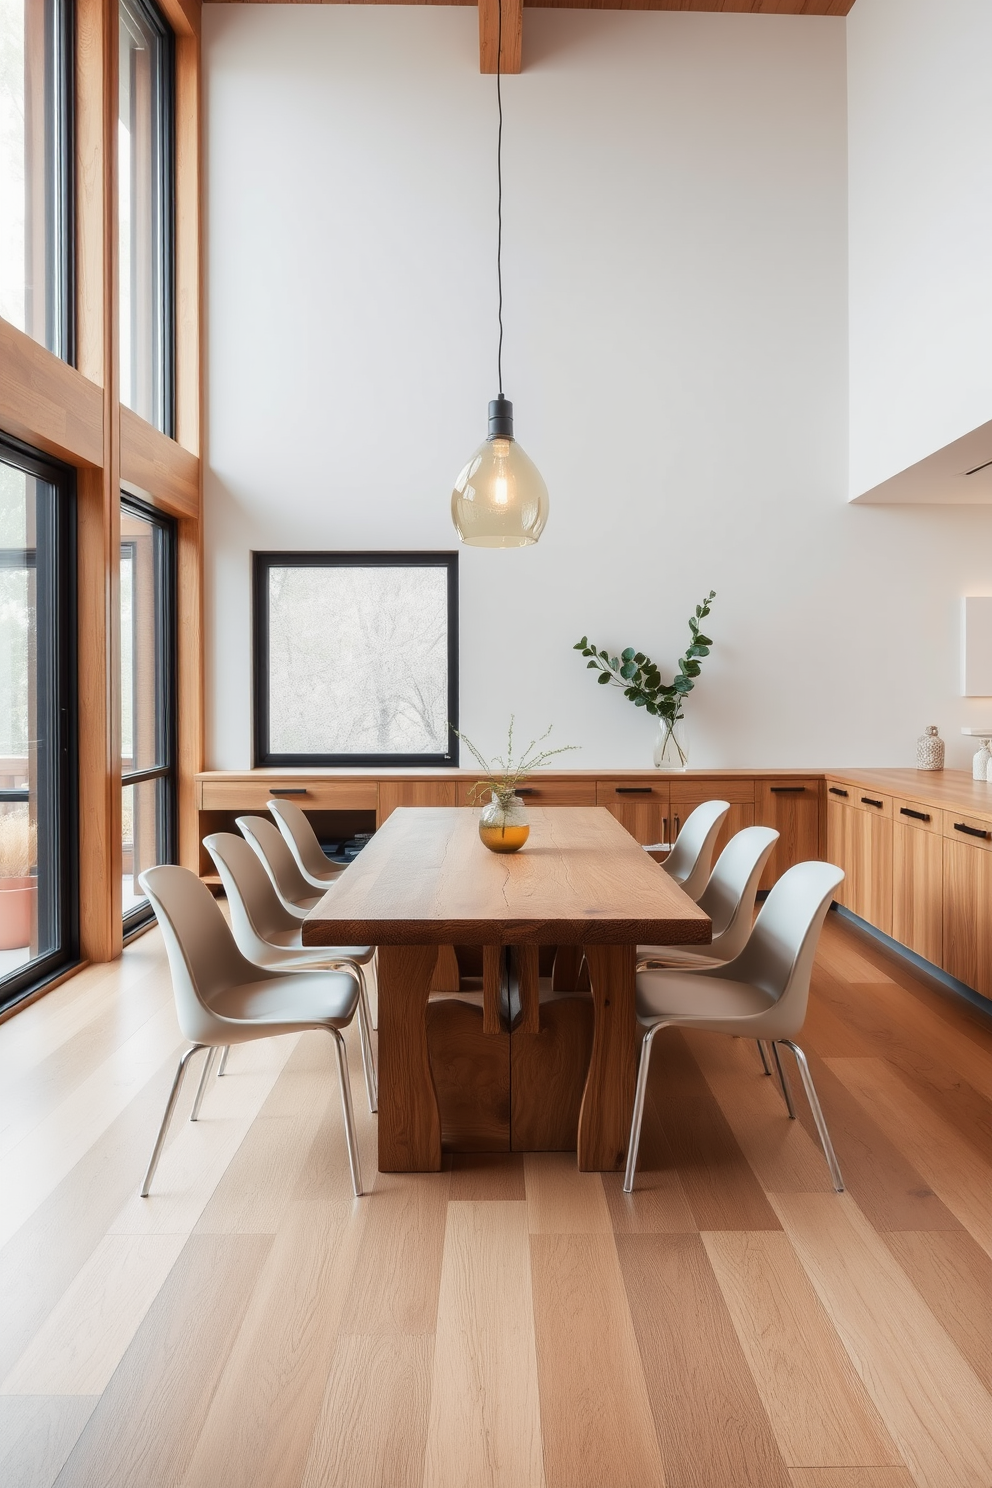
(500, 499)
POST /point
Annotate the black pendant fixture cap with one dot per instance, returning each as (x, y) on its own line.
(500, 418)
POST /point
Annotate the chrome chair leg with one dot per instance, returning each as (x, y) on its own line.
(170, 1107)
(374, 963)
(764, 1056)
(194, 1115)
(223, 1060)
(349, 1118)
(640, 1096)
(365, 1036)
(814, 1105)
(786, 1092)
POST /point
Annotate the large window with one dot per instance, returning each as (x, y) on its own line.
(37, 754)
(148, 732)
(145, 177)
(35, 174)
(356, 658)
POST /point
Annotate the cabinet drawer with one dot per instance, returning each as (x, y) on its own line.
(871, 801)
(916, 814)
(537, 792)
(969, 829)
(691, 793)
(309, 795)
(841, 792)
(632, 792)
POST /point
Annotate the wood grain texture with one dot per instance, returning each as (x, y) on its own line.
(580, 880)
(851, 1477)
(37, 1433)
(548, 1075)
(147, 1421)
(608, 1098)
(46, 402)
(930, 1400)
(485, 1422)
(562, 1200)
(393, 793)
(158, 469)
(372, 1428)
(504, 40)
(409, 1122)
(471, 1071)
(953, 1275)
(817, 1405)
(691, 1356)
(792, 807)
(398, 1274)
(595, 1408)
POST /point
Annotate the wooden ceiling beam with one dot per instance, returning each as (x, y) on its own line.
(513, 30)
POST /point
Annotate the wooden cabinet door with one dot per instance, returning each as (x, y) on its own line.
(840, 850)
(967, 919)
(393, 793)
(917, 878)
(792, 807)
(643, 808)
(877, 887)
(687, 795)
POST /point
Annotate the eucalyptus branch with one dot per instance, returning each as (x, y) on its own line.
(503, 773)
(640, 678)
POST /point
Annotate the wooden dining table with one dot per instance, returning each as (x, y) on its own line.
(426, 883)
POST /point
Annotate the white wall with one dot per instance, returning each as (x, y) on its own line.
(676, 313)
(920, 147)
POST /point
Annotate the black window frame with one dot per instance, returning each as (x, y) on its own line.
(167, 729)
(58, 894)
(261, 563)
(165, 120)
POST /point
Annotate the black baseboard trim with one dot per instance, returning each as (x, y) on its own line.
(983, 1004)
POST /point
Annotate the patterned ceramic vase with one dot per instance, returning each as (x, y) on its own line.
(930, 750)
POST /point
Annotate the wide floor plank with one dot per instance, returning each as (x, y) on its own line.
(37, 1433)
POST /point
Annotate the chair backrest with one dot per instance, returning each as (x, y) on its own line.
(691, 859)
(287, 880)
(301, 839)
(729, 896)
(257, 912)
(779, 955)
(203, 957)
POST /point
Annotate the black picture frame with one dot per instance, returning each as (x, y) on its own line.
(262, 563)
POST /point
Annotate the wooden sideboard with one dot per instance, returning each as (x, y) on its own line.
(651, 804)
(916, 847)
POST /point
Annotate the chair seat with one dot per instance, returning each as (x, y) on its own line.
(704, 1001)
(289, 1003)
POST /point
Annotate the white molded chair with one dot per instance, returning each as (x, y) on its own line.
(691, 859)
(222, 999)
(301, 839)
(270, 937)
(761, 994)
(728, 899)
(296, 895)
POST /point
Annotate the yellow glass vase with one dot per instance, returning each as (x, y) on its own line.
(503, 824)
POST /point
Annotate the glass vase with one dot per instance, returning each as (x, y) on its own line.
(503, 824)
(671, 747)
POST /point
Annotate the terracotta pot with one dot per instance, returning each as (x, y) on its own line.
(18, 897)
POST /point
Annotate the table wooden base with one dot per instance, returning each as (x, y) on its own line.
(453, 1076)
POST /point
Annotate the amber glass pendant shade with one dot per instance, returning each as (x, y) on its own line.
(500, 499)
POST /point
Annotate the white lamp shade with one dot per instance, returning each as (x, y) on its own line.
(500, 499)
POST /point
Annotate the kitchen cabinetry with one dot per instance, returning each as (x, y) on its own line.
(917, 878)
(792, 807)
(859, 840)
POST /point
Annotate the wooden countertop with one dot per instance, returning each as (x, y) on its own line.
(950, 790)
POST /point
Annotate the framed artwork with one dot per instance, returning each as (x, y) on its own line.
(355, 658)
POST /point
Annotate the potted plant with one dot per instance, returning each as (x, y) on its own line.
(642, 683)
(503, 824)
(18, 885)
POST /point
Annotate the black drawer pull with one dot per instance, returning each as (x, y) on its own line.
(972, 831)
(790, 790)
(296, 790)
(526, 790)
(835, 790)
(867, 801)
(916, 815)
(633, 790)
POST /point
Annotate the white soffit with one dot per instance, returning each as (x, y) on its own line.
(960, 474)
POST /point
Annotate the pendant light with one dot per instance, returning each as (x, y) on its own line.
(500, 499)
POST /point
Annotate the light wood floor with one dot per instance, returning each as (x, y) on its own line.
(510, 1321)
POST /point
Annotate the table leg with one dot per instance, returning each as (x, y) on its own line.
(409, 1122)
(608, 1099)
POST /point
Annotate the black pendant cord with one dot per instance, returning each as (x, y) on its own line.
(499, 194)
